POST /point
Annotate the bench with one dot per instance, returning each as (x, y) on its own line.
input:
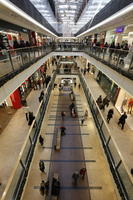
(57, 144)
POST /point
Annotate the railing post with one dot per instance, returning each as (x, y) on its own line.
(108, 141)
(101, 125)
(22, 164)
(10, 58)
(118, 165)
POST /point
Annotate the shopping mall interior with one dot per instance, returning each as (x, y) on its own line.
(66, 99)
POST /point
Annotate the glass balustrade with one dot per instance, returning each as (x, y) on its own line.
(14, 61)
(17, 179)
(119, 169)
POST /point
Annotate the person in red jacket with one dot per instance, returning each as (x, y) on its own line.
(82, 172)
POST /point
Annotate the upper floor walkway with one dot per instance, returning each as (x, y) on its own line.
(115, 63)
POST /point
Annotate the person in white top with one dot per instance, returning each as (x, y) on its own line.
(26, 111)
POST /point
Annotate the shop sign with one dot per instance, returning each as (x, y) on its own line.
(119, 29)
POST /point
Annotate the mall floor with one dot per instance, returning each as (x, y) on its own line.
(6, 114)
(13, 136)
(100, 182)
(123, 138)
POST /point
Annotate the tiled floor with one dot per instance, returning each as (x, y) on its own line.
(101, 183)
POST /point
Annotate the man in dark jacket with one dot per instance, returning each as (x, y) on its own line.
(122, 120)
(110, 115)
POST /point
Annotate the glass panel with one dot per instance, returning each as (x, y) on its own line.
(32, 133)
(105, 132)
(126, 181)
(114, 152)
(26, 152)
(5, 64)
(15, 180)
(38, 117)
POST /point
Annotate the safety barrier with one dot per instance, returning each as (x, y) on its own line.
(120, 171)
(14, 61)
(17, 179)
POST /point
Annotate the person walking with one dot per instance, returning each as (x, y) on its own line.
(122, 120)
(99, 100)
(75, 177)
(75, 84)
(41, 166)
(86, 115)
(105, 102)
(31, 118)
(41, 141)
(82, 172)
(79, 85)
(63, 114)
(41, 96)
(110, 115)
(42, 188)
(82, 121)
(47, 187)
(26, 111)
(62, 128)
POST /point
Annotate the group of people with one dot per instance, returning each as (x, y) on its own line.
(105, 102)
(78, 174)
(44, 186)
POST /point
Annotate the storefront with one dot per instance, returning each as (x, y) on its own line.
(124, 102)
(108, 86)
(25, 88)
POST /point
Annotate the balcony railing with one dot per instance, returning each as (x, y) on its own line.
(14, 61)
(119, 169)
(118, 59)
(14, 187)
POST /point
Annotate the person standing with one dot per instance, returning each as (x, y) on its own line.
(86, 114)
(41, 140)
(31, 118)
(99, 100)
(75, 177)
(42, 188)
(62, 128)
(110, 115)
(63, 114)
(26, 111)
(82, 120)
(41, 166)
(105, 102)
(82, 172)
(79, 85)
(75, 84)
(122, 120)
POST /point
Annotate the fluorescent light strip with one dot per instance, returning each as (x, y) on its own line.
(15, 9)
(116, 15)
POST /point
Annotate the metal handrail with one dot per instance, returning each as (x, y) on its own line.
(120, 155)
(24, 146)
(125, 194)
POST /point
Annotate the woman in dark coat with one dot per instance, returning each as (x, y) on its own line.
(110, 115)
